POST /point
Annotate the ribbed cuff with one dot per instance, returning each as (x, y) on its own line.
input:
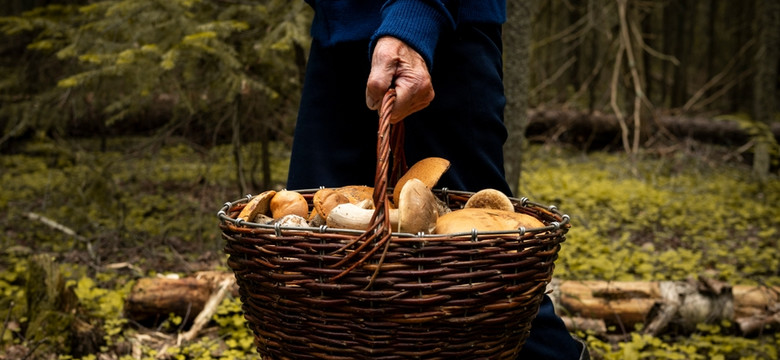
(417, 23)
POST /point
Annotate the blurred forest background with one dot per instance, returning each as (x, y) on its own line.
(126, 123)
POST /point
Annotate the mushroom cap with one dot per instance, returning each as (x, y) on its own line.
(288, 202)
(258, 205)
(490, 199)
(357, 193)
(464, 220)
(428, 170)
(417, 208)
(325, 200)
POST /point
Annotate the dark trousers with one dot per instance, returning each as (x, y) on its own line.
(335, 137)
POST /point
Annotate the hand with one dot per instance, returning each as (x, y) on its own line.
(395, 62)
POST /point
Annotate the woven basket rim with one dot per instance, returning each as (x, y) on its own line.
(564, 222)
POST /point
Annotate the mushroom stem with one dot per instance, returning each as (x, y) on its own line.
(352, 216)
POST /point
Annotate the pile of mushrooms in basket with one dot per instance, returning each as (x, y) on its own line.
(413, 207)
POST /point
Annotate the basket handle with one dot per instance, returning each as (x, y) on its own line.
(389, 150)
(379, 231)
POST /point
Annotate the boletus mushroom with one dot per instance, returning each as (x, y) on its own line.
(464, 220)
(326, 199)
(490, 199)
(428, 170)
(417, 211)
(257, 206)
(354, 216)
(288, 202)
(417, 208)
(357, 193)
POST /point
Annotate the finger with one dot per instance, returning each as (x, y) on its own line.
(379, 81)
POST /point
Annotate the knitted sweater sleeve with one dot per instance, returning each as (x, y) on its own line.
(418, 23)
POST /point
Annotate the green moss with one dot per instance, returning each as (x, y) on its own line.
(659, 218)
(707, 345)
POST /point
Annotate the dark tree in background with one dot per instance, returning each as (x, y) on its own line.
(765, 93)
(517, 38)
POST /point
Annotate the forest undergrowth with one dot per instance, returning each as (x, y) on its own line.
(134, 210)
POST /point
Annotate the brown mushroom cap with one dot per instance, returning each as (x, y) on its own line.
(417, 208)
(490, 199)
(357, 193)
(288, 202)
(428, 170)
(258, 205)
(325, 200)
(464, 220)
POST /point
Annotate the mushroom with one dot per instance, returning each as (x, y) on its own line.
(292, 220)
(288, 202)
(464, 220)
(357, 193)
(355, 216)
(257, 206)
(417, 211)
(490, 199)
(417, 208)
(325, 200)
(428, 170)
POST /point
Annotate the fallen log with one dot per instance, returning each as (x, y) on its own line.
(155, 298)
(585, 305)
(659, 305)
(597, 130)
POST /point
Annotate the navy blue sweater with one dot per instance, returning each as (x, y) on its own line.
(419, 23)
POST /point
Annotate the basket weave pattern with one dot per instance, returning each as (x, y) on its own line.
(450, 296)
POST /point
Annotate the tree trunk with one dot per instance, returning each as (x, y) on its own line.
(682, 51)
(745, 13)
(516, 84)
(576, 12)
(237, 156)
(765, 93)
(710, 41)
(647, 60)
(669, 39)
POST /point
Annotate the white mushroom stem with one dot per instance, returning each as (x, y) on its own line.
(352, 216)
(416, 213)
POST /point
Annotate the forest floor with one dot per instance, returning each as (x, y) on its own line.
(133, 209)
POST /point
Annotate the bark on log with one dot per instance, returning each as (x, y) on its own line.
(616, 303)
(659, 305)
(153, 299)
(597, 130)
(156, 298)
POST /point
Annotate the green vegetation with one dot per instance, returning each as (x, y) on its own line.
(660, 217)
(189, 62)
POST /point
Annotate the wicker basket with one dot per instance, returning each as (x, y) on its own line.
(323, 293)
